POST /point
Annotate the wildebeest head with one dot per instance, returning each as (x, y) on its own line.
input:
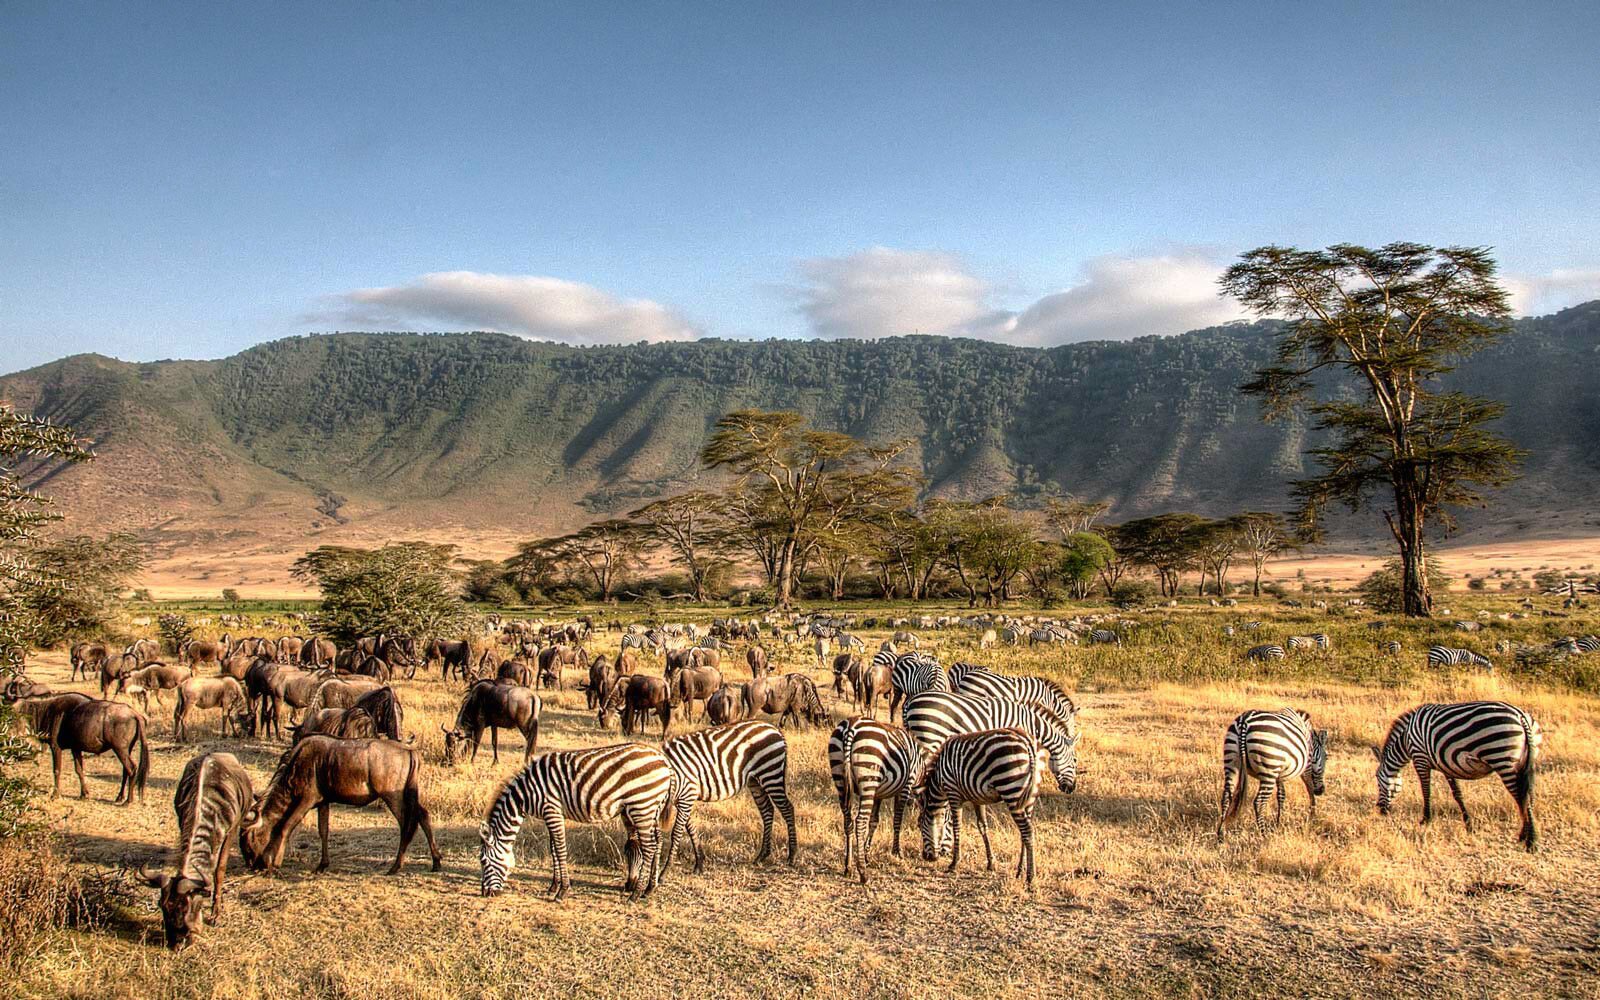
(453, 739)
(254, 835)
(181, 901)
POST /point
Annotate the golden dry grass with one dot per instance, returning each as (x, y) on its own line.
(1134, 896)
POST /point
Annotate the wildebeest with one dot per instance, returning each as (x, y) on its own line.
(208, 692)
(632, 697)
(693, 684)
(237, 665)
(864, 681)
(288, 649)
(452, 655)
(213, 795)
(705, 656)
(376, 713)
(341, 692)
(112, 669)
(792, 696)
(321, 771)
(153, 679)
(494, 705)
(515, 671)
(285, 685)
(601, 676)
(200, 651)
(756, 657)
(18, 688)
(86, 656)
(371, 666)
(627, 663)
(316, 652)
(143, 650)
(726, 705)
(84, 725)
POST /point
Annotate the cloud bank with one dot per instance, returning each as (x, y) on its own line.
(883, 292)
(539, 308)
(1539, 294)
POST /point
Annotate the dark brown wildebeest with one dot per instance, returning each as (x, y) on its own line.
(678, 659)
(847, 669)
(726, 705)
(288, 649)
(516, 671)
(601, 676)
(692, 685)
(86, 656)
(557, 658)
(18, 688)
(870, 683)
(200, 651)
(208, 692)
(152, 680)
(322, 771)
(237, 665)
(452, 654)
(376, 713)
(341, 692)
(83, 725)
(756, 657)
(633, 697)
(291, 686)
(113, 667)
(258, 695)
(143, 650)
(318, 653)
(494, 705)
(213, 795)
(792, 696)
(370, 666)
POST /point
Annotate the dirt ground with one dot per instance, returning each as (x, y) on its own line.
(1134, 897)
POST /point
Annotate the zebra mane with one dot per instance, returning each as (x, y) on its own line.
(1049, 715)
(1394, 732)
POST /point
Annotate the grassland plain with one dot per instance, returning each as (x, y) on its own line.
(1135, 897)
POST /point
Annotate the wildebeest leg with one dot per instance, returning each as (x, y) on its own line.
(83, 786)
(982, 817)
(1455, 789)
(494, 742)
(55, 769)
(125, 789)
(530, 739)
(322, 833)
(217, 875)
(405, 816)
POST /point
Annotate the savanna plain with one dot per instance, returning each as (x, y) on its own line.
(1134, 897)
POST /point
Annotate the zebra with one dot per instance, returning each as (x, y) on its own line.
(1588, 644)
(971, 679)
(1012, 634)
(710, 765)
(994, 766)
(1260, 654)
(1106, 636)
(912, 674)
(1316, 640)
(1250, 626)
(1392, 647)
(1449, 656)
(936, 716)
(871, 761)
(1273, 747)
(846, 641)
(627, 779)
(1463, 741)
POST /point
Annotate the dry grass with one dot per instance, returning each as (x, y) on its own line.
(1134, 896)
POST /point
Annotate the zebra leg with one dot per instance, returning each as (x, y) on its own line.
(557, 829)
(780, 797)
(1227, 802)
(1277, 818)
(980, 814)
(1311, 798)
(849, 817)
(1455, 790)
(650, 856)
(899, 816)
(1266, 788)
(764, 806)
(681, 827)
(1024, 821)
(1425, 784)
(955, 837)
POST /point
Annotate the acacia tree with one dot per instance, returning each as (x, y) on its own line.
(803, 479)
(1392, 320)
(407, 588)
(1262, 535)
(1166, 543)
(606, 549)
(1072, 516)
(691, 526)
(1216, 544)
(1084, 554)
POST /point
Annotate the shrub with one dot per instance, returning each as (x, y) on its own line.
(1382, 588)
(1477, 583)
(175, 630)
(39, 891)
(1133, 592)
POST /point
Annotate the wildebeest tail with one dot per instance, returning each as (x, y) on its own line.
(143, 772)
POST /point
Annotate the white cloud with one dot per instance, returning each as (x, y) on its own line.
(531, 306)
(1540, 294)
(883, 292)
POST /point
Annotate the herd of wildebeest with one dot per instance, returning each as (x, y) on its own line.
(968, 734)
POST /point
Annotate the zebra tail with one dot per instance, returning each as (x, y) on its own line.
(1239, 781)
(1530, 761)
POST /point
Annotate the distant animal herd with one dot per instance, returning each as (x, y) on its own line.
(967, 734)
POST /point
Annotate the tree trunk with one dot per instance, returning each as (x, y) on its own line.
(1407, 523)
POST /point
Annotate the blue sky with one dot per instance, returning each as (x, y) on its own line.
(183, 181)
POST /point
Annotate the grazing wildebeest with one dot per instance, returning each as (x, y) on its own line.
(201, 651)
(213, 795)
(452, 655)
(143, 650)
(83, 725)
(494, 705)
(288, 649)
(694, 684)
(847, 668)
(321, 771)
(341, 692)
(237, 665)
(632, 697)
(601, 676)
(153, 679)
(371, 666)
(555, 659)
(756, 657)
(515, 671)
(726, 705)
(792, 696)
(291, 686)
(318, 653)
(18, 688)
(376, 713)
(113, 667)
(208, 692)
(86, 656)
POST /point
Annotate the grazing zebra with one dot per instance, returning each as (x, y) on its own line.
(1227, 630)
(1250, 626)
(1464, 741)
(871, 761)
(627, 779)
(1449, 656)
(1104, 635)
(912, 674)
(1274, 747)
(995, 766)
(1012, 634)
(1316, 640)
(1392, 647)
(846, 641)
(1270, 651)
(710, 765)
(1588, 644)
(934, 717)
(971, 679)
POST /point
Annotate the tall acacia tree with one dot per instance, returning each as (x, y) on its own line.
(690, 525)
(805, 478)
(1391, 320)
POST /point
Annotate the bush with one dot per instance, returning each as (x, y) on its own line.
(1477, 583)
(504, 594)
(567, 595)
(175, 630)
(230, 595)
(39, 892)
(1133, 592)
(1382, 588)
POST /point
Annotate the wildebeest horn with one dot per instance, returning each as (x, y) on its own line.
(442, 729)
(154, 881)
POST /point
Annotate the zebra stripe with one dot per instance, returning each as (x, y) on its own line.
(710, 765)
(971, 679)
(1316, 640)
(934, 717)
(1273, 748)
(1392, 647)
(1106, 636)
(1004, 766)
(912, 674)
(1270, 651)
(1448, 656)
(1588, 644)
(1464, 742)
(630, 780)
(870, 762)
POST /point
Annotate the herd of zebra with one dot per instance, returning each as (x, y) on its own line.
(966, 735)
